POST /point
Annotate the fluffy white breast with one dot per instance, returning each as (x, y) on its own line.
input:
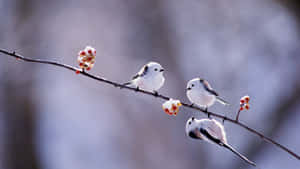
(150, 83)
(200, 97)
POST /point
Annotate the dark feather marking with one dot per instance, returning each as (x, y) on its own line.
(209, 89)
(136, 76)
(145, 70)
(193, 135)
(210, 137)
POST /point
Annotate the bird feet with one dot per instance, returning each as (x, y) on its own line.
(223, 121)
(206, 111)
(208, 115)
(137, 89)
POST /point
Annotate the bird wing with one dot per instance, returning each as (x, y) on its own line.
(141, 73)
(211, 91)
(209, 136)
(135, 76)
(215, 130)
(208, 88)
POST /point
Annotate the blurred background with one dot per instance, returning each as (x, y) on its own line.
(51, 118)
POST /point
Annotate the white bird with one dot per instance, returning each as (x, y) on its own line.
(211, 131)
(149, 78)
(200, 92)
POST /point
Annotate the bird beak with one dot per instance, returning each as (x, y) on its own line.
(193, 135)
(161, 70)
(188, 88)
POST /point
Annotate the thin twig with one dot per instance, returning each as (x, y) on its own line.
(238, 115)
(115, 84)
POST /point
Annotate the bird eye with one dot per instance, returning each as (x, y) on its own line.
(193, 85)
(155, 69)
(190, 123)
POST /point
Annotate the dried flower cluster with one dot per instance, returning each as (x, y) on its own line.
(171, 107)
(86, 58)
(244, 103)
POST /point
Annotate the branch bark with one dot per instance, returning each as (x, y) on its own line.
(116, 84)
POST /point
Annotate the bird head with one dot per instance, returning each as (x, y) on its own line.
(194, 84)
(155, 68)
(191, 128)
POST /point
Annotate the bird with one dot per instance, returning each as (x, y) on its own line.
(211, 131)
(200, 92)
(149, 78)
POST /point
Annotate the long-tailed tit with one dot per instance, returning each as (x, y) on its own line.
(149, 78)
(200, 92)
(211, 131)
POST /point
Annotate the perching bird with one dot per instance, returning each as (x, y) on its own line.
(211, 131)
(149, 78)
(200, 92)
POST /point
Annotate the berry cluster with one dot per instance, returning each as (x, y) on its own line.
(171, 107)
(86, 58)
(244, 103)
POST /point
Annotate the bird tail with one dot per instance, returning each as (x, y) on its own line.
(222, 101)
(127, 83)
(238, 154)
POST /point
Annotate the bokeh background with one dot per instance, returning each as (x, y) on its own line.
(51, 118)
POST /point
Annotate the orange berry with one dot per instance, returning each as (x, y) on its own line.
(241, 108)
(82, 53)
(242, 101)
(88, 68)
(77, 71)
(90, 51)
(174, 108)
(247, 99)
(247, 106)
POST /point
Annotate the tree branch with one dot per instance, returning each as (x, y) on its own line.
(115, 84)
